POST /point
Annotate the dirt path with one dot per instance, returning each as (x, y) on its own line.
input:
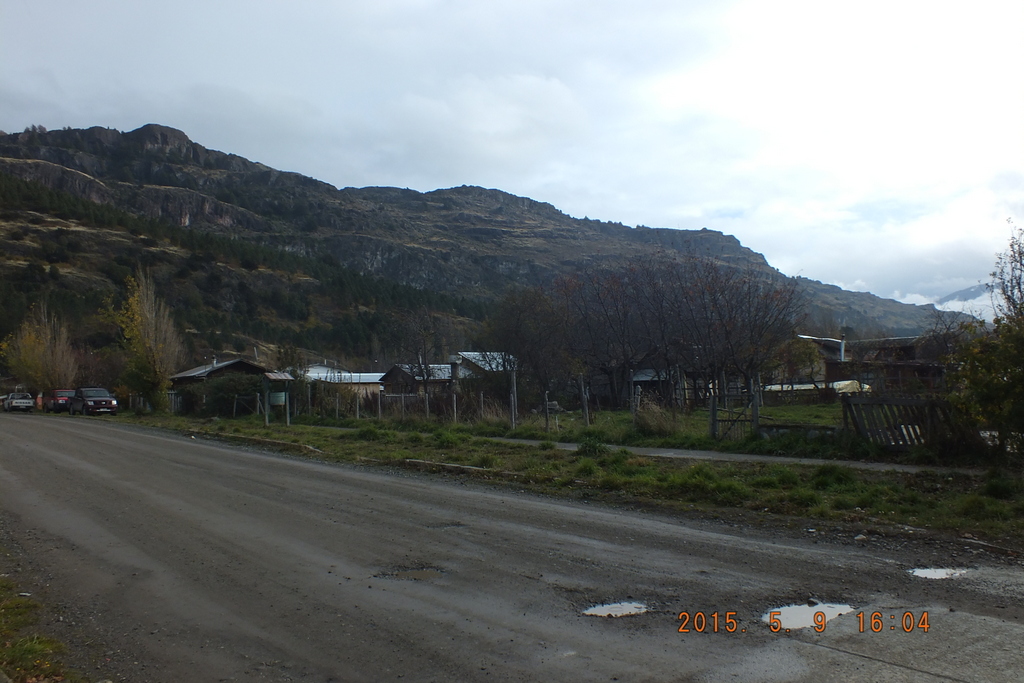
(688, 454)
(168, 559)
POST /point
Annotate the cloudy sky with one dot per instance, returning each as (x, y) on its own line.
(874, 145)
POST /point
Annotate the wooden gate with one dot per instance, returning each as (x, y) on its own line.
(735, 419)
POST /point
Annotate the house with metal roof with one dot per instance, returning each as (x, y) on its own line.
(364, 382)
(214, 370)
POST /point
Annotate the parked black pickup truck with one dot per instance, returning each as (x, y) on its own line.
(92, 401)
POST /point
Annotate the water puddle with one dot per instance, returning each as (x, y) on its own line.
(937, 573)
(617, 609)
(804, 616)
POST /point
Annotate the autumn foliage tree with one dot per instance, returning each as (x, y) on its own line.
(39, 353)
(151, 340)
(989, 370)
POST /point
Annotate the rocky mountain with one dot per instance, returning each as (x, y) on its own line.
(468, 241)
(969, 294)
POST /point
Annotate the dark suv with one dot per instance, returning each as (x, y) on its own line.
(57, 400)
(92, 401)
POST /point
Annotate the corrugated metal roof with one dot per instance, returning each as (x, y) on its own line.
(336, 376)
(361, 377)
(489, 361)
(440, 373)
(279, 376)
(649, 375)
(204, 370)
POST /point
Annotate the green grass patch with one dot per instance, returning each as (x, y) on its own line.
(25, 655)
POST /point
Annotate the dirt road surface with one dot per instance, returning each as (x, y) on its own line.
(163, 558)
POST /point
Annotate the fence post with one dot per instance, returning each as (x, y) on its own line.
(585, 403)
(634, 402)
(755, 412)
(713, 417)
(266, 402)
(547, 414)
(513, 400)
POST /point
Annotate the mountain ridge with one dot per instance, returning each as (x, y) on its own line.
(467, 240)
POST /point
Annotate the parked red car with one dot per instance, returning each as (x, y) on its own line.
(57, 400)
(92, 401)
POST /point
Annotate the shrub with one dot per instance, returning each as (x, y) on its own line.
(372, 433)
(590, 447)
(731, 492)
(843, 503)
(804, 498)
(485, 460)
(833, 478)
(445, 439)
(998, 485)
(653, 420)
(982, 508)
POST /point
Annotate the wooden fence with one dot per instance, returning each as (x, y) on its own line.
(895, 423)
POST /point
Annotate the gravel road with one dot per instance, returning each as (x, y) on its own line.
(167, 559)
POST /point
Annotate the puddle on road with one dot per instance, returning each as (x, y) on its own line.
(937, 573)
(616, 609)
(802, 616)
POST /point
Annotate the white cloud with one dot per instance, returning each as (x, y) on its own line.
(876, 143)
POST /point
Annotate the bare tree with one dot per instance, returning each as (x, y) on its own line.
(604, 323)
(725, 318)
(526, 325)
(424, 337)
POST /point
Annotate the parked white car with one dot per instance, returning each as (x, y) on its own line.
(19, 401)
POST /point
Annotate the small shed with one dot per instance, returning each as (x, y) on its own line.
(407, 378)
(214, 370)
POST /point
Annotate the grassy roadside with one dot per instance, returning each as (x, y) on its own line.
(25, 656)
(989, 506)
(654, 427)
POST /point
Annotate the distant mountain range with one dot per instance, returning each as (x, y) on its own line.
(968, 294)
(467, 241)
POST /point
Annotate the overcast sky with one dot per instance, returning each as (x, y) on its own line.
(874, 145)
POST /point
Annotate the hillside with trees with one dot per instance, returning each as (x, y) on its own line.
(244, 259)
(469, 242)
(75, 260)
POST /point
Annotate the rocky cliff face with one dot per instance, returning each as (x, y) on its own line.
(467, 240)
